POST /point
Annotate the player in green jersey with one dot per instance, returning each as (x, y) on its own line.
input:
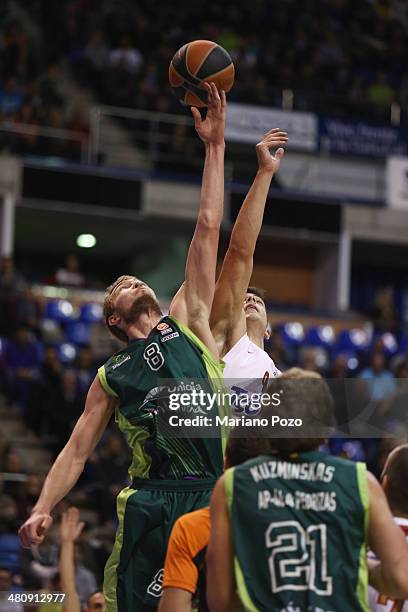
(290, 528)
(169, 476)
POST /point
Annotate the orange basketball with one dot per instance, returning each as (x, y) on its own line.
(198, 62)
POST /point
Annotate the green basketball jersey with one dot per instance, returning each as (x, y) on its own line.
(135, 376)
(299, 533)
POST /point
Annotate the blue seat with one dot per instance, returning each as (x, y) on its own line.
(91, 313)
(320, 336)
(389, 343)
(293, 333)
(10, 552)
(59, 310)
(77, 332)
(353, 340)
(66, 352)
(403, 344)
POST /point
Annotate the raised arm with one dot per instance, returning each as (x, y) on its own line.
(192, 303)
(389, 576)
(69, 464)
(70, 530)
(227, 319)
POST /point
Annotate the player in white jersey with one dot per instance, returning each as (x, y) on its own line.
(238, 316)
(395, 485)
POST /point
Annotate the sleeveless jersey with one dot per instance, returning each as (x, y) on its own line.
(137, 376)
(299, 533)
(246, 365)
(382, 603)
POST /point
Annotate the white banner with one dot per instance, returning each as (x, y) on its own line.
(397, 182)
(247, 123)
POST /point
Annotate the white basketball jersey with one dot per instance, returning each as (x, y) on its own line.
(247, 365)
(381, 603)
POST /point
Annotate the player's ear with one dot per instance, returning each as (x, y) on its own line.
(113, 320)
(385, 483)
(268, 332)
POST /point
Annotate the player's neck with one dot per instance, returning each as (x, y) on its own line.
(144, 325)
(256, 336)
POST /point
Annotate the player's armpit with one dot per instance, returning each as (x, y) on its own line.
(387, 541)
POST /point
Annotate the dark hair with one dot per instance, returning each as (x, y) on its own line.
(397, 469)
(257, 291)
(240, 449)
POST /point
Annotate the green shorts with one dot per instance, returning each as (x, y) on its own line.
(147, 512)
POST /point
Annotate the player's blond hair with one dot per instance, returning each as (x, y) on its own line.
(109, 307)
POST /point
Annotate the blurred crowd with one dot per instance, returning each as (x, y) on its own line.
(36, 116)
(352, 52)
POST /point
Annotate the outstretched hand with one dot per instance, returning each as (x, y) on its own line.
(271, 140)
(70, 528)
(211, 129)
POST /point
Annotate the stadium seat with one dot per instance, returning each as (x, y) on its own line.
(10, 552)
(403, 344)
(389, 342)
(293, 333)
(77, 332)
(59, 310)
(66, 352)
(91, 313)
(320, 336)
(352, 340)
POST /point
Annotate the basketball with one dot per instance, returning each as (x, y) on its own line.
(198, 62)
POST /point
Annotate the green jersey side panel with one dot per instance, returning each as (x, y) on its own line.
(134, 375)
(299, 533)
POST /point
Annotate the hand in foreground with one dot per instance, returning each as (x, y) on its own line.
(70, 527)
(271, 140)
(211, 129)
(33, 531)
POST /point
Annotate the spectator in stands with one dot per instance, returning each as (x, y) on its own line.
(23, 360)
(381, 95)
(109, 474)
(70, 275)
(96, 57)
(11, 97)
(379, 381)
(384, 315)
(276, 350)
(49, 89)
(126, 57)
(27, 310)
(63, 407)
(11, 282)
(85, 369)
(14, 467)
(7, 588)
(29, 492)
